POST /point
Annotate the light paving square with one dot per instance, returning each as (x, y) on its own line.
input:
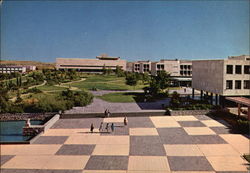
(27, 162)
(227, 163)
(114, 120)
(212, 123)
(239, 142)
(199, 131)
(143, 132)
(148, 163)
(218, 150)
(164, 122)
(111, 150)
(182, 150)
(114, 140)
(83, 139)
(185, 118)
(67, 162)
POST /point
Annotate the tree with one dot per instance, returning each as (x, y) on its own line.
(131, 80)
(159, 83)
(119, 72)
(18, 98)
(146, 78)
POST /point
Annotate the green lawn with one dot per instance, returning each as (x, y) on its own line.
(122, 97)
(101, 82)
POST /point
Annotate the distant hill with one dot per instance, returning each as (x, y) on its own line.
(39, 65)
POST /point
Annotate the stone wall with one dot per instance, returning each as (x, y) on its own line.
(25, 116)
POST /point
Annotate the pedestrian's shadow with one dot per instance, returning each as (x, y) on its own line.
(92, 132)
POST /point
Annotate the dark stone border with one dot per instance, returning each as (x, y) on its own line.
(188, 112)
(25, 116)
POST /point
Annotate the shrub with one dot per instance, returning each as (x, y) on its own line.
(243, 126)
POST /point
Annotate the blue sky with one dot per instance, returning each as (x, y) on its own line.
(141, 30)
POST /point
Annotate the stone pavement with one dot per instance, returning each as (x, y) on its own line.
(99, 106)
(163, 144)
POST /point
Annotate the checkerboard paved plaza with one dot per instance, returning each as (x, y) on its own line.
(184, 144)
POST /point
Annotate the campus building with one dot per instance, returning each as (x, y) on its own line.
(90, 65)
(180, 70)
(16, 69)
(227, 77)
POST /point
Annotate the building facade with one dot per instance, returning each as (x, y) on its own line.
(16, 69)
(228, 77)
(90, 65)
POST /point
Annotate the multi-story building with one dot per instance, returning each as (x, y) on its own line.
(227, 77)
(180, 70)
(16, 68)
(142, 66)
(90, 65)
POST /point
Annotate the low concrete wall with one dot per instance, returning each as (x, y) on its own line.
(188, 112)
(36, 129)
(122, 114)
(25, 116)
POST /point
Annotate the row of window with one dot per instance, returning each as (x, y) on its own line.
(186, 66)
(238, 69)
(246, 84)
(185, 72)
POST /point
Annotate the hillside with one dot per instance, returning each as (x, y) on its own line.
(40, 65)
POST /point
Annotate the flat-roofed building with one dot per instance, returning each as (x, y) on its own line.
(227, 77)
(4, 68)
(142, 66)
(90, 65)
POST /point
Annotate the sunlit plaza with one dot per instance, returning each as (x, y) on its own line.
(154, 144)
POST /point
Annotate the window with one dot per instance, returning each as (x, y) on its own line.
(246, 84)
(238, 69)
(229, 84)
(247, 69)
(229, 69)
(181, 72)
(181, 66)
(238, 84)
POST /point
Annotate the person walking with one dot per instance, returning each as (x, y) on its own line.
(112, 127)
(107, 127)
(100, 128)
(125, 121)
(92, 128)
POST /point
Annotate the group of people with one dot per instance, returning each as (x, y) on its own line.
(106, 113)
(107, 127)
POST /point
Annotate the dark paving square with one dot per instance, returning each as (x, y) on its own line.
(107, 163)
(76, 150)
(146, 140)
(51, 140)
(191, 124)
(203, 117)
(5, 158)
(222, 130)
(119, 130)
(208, 139)
(189, 163)
(172, 132)
(77, 123)
(147, 150)
(137, 122)
(38, 171)
(174, 136)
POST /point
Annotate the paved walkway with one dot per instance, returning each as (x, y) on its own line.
(161, 144)
(99, 106)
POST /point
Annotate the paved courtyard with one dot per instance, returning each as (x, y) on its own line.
(163, 144)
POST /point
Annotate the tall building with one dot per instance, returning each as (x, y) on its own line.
(90, 65)
(227, 77)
